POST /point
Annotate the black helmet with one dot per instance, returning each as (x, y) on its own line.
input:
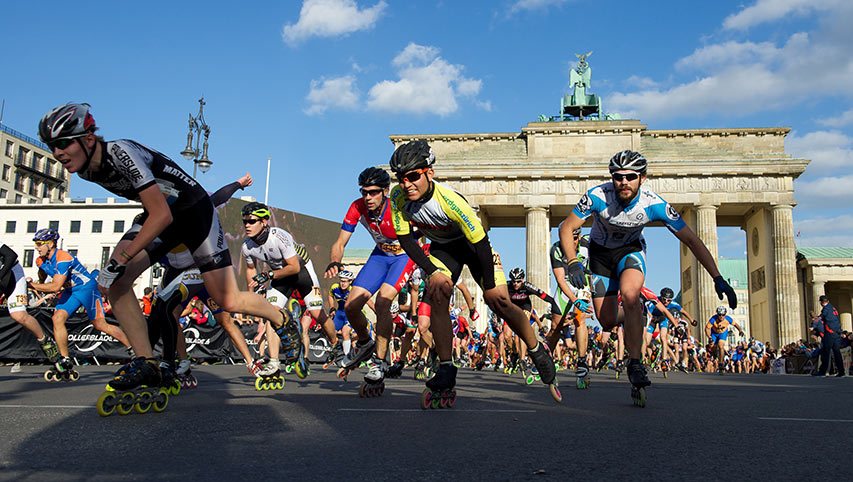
(629, 161)
(516, 274)
(412, 155)
(667, 293)
(256, 209)
(66, 122)
(721, 310)
(676, 313)
(373, 176)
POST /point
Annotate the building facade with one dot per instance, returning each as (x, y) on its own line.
(29, 172)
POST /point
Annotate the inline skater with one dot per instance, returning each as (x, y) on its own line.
(385, 272)
(179, 213)
(620, 208)
(458, 239)
(13, 287)
(338, 294)
(653, 304)
(290, 272)
(520, 292)
(717, 332)
(76, 288)
(659, 319)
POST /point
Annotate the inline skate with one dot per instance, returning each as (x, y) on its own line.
(291, 344)
(582, 374)
(360, 352)
(533, 376)
(374, 381)
(541, 357)
(395, 370)
(639, 381)
(184, 375)
(439, 392)
(62, 371)
(170, 378)
(269, 376)
(135, 386)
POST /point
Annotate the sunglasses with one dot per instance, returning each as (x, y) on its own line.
(665, 300)
(41, 243)
(628, 177)
(371, 192)
(251, 221)
(60, 143)
(412, 176)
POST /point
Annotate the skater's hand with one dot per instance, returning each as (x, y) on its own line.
(108, 275)
(439, 286)
(245, 181)
(576, 275)
(722, 287)
(333, 269)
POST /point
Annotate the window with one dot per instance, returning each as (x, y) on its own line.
(741, 311)
(10, 148)
(34, 187)
(60, 190)
(10, 226)
(23, 152)
(51, 167)
(75, 227)
(72, 252)
(105, 256)
(97, 226)
(3, 193)
(28, 258)
(45, 190)
(53, 225)
(18, 199)
(32, 226)
(7, 172)
(19, 182)
(118, 226)
(740, 297)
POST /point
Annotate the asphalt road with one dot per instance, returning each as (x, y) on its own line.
(696, 426)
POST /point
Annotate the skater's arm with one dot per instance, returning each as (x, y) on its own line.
(469, 300)
(291, 268)
(416, 253)
(251, 272)
(337, 253)
(10, 258)
(560, 276)
(53, 286)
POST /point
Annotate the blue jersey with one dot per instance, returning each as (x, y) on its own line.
(720, 325)
(656, 313)
(616, 224)
(339, 295)
(63, 263)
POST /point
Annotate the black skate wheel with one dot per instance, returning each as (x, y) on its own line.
(161, 400)
(381, 389)
(125, 403)
(362, 390)
(106, 404)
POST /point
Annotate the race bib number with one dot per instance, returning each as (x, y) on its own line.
(212, 304)
(391, 248)
(21, 300)
(496, 259)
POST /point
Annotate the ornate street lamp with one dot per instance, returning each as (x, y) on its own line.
(199, 126)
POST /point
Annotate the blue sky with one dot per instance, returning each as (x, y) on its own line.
(319, 85)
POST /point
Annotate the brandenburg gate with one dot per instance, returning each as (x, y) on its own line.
(713, 177)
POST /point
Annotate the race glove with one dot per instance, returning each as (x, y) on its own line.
(262, 278)
(473, 315)
(110, 273)
(722, 287)
(576, 275)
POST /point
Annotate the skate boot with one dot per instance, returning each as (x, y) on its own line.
(681, 367)
(534, 375)
(522, 366)
(639, 382)
(582, 373)
(336, 355)
(170, 379)
(439, 392)
(135, 386)
(360, 352)
(269, 377)
(420, 370)
(255, 367)
(62, 371)
(184, 375)
(374, 382)
(292, 348)
(48, 346)
(395, 370)
(431, 365)
(541, 357)
(620, 365)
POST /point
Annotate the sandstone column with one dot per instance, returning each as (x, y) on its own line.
(818, 289)
(706, 229)
(538, 235)
(785, 260)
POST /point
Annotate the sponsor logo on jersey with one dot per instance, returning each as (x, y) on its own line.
(671, 213)
(126, 165)
(585, 204)
(179, 174)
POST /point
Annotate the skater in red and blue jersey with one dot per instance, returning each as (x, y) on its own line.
(384, 273)
(77, 287)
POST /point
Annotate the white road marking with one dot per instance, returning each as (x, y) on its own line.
(491, 410)
(46, 406)
(784, 419)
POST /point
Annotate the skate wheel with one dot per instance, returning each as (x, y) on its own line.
(381, 389)
(280, 384)
(288, 368)
(193, 382)
(555, 392)
(638, 395)
(435, 402)
(442, 399)
(48, 376)
(74, 375)
(106, 404)
(300, 372)
(259, 383)
(142, 407)
(174, 388)
(530, 379)
(451, 398)
(125, 403)
(426, 399)
(664, 373)
(160, 401)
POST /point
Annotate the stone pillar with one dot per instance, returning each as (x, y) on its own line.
(818, 288)
(785, 261)
(538, 235)
(706, 229)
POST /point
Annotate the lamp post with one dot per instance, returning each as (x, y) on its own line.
(198, 126)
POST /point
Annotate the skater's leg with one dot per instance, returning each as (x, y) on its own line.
(356, 300)
(227, 323)
(384, 322)
(31, 324)
(125, 305)
(60, 332)
(222, 286)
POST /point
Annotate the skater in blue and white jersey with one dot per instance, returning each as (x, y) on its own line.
(620, 209)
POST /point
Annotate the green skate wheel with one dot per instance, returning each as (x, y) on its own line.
(280, 384)
(288, 368)
(529, 379)
(125, 403)
(174, 388)
(106, 404)
(161, 400)
(144, 403)
(300, 372)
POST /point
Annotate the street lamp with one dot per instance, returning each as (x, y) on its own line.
(198, 125)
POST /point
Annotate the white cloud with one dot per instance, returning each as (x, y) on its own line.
(828, 150)
(742, 78)
(824, 188)
(641, 82)
(534, 4)
(845, 119)
(331, 18)
(428, 84)
(814, 232)
(336, 92)
(769, 10)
